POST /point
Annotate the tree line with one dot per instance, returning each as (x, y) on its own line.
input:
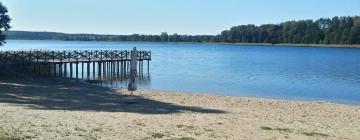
(337, 30)
(163, 37)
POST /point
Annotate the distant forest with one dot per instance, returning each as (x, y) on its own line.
(338, 30)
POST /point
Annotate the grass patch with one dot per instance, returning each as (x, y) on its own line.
(157, 135)
(96, 129)
(78, 129)
(8, 136)
(185, 138)
(140, 124)
(146, 138)
(208, 130)
(314, 134)
(276, 129)
(185, 126)
(266, 128)
(283, 130)
(310, 134)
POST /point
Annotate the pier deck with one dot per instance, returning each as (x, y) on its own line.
(75, 63)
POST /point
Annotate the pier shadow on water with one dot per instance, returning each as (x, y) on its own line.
(48, 94)
(142, 81)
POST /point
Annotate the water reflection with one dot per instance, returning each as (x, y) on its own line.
(142, 81)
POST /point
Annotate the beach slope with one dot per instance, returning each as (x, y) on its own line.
(36, 108)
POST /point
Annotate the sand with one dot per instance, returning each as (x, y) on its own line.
(58, 109)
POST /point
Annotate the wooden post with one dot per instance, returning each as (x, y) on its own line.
(118, 68)
(71, 70)
(148, 67)
(104, 68)
(125, 68)
(65, 69)
(142, 67)
(88, 69)
(93, 69)
(107, 69)
(49, 69)
(99, 68)
(122, 68)
(113, 68)
(110, 68)
(29, 62)
(77, 69)
(54, 69)
(139, 67)
(82, 70)
(60, 69)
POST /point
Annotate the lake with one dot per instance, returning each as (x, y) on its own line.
(295, 73)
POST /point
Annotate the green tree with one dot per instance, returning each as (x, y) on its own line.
(355, 32)
(4, 23)
(164, 37)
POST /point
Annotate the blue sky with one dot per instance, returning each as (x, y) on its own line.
(173, 16)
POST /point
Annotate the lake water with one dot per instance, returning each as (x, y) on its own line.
(299, 73)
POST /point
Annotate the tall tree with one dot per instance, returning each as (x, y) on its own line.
(4, 23)
(164, 37)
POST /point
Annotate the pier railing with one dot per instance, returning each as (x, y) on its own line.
(15, 57)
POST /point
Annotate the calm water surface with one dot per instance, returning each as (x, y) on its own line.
(300, 73)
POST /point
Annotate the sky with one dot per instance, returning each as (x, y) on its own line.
(194, 17)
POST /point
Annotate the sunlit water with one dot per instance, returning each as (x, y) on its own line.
(300, 73)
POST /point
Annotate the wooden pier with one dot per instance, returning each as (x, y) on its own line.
(92, 64)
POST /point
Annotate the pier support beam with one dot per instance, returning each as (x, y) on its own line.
(77, 70)
(71, 70)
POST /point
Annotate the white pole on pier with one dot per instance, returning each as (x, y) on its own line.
(133, 66)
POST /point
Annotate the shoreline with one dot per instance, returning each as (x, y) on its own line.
(297, 45)
(224, 43)
(220, 95)
(247, 97)
(40, 108)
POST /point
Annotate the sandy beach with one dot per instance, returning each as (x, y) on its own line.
(59, 109)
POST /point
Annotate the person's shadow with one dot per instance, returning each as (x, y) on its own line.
(57, 95)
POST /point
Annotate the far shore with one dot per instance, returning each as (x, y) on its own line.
(41, 108)
(298, 45)
(239, 44)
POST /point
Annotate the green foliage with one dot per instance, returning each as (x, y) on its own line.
(7, 135)
(185, 126)
(164, 37)
(338, 30)
(314, 134)
(185, 138)
(157, 135)
(266, 128)
(4, 23)
(276, 129)
(208, 130)
(287, 130)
